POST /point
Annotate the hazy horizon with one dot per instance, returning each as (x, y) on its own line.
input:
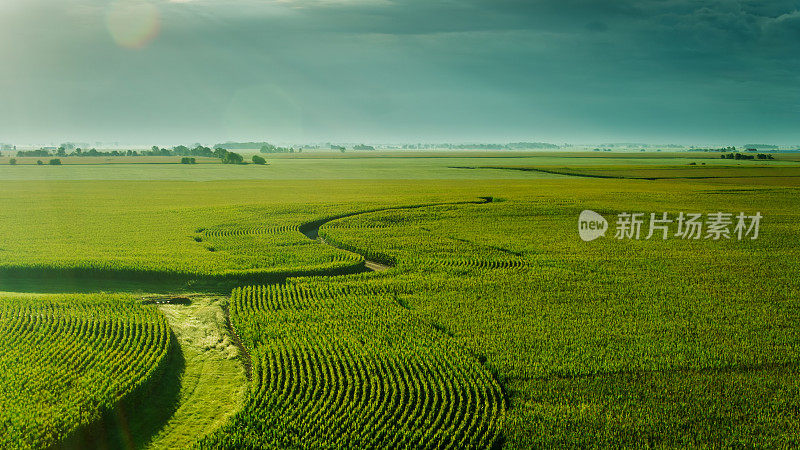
(399, 71)
(399, 146)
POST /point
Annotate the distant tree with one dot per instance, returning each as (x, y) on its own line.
(232, 158)
(39, 162)
(13, 161)
(34, 153)
(220, 153)
(55, 162)
(62, 151)
(259, 160)
(201, 151)
(188, 160)
(269, 148)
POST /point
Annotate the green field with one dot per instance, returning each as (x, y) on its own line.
(69, 361)
(495, 325)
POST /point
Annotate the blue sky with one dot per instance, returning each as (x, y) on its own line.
(400, 71)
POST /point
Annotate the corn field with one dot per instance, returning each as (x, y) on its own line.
(67, 360)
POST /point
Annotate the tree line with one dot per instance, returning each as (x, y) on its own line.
(188, 154)
(738, 156)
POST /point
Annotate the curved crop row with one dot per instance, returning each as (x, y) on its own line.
(416, 239)
(248, 231)
(477, 263)
(357, 224)
(367, 252)
(66, 361)
(274, 250)
(336, 366)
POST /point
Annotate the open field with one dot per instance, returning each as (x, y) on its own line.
(368, 166)
(564, 323)
(494, 325)
(106, 160)
(694, 172)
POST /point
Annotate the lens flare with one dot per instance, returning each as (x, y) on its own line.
(133, 23)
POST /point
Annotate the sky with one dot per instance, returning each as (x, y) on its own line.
(380, 71)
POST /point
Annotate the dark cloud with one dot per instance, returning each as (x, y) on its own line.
(562, 70)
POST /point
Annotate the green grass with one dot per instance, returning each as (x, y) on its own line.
(212, 383)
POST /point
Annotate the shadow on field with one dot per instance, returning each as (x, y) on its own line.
(87, 280)
(85, 285)
(135, 421)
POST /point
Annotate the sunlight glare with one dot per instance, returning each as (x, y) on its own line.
(133, 23)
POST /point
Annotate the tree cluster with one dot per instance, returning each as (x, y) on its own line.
(33, 153)
(269, 148)
(230, 157)
(738, 156)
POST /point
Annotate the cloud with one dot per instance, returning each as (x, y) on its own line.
(389, 69)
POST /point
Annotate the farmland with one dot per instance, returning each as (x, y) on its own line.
(660, 319)
(495, 325)
(67, 361)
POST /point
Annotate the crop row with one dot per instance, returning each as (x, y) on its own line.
(337, 366)
(477, 263)
(414, 247)
(69, 360)
(578, 331)
(248, 231)
(367, 252)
